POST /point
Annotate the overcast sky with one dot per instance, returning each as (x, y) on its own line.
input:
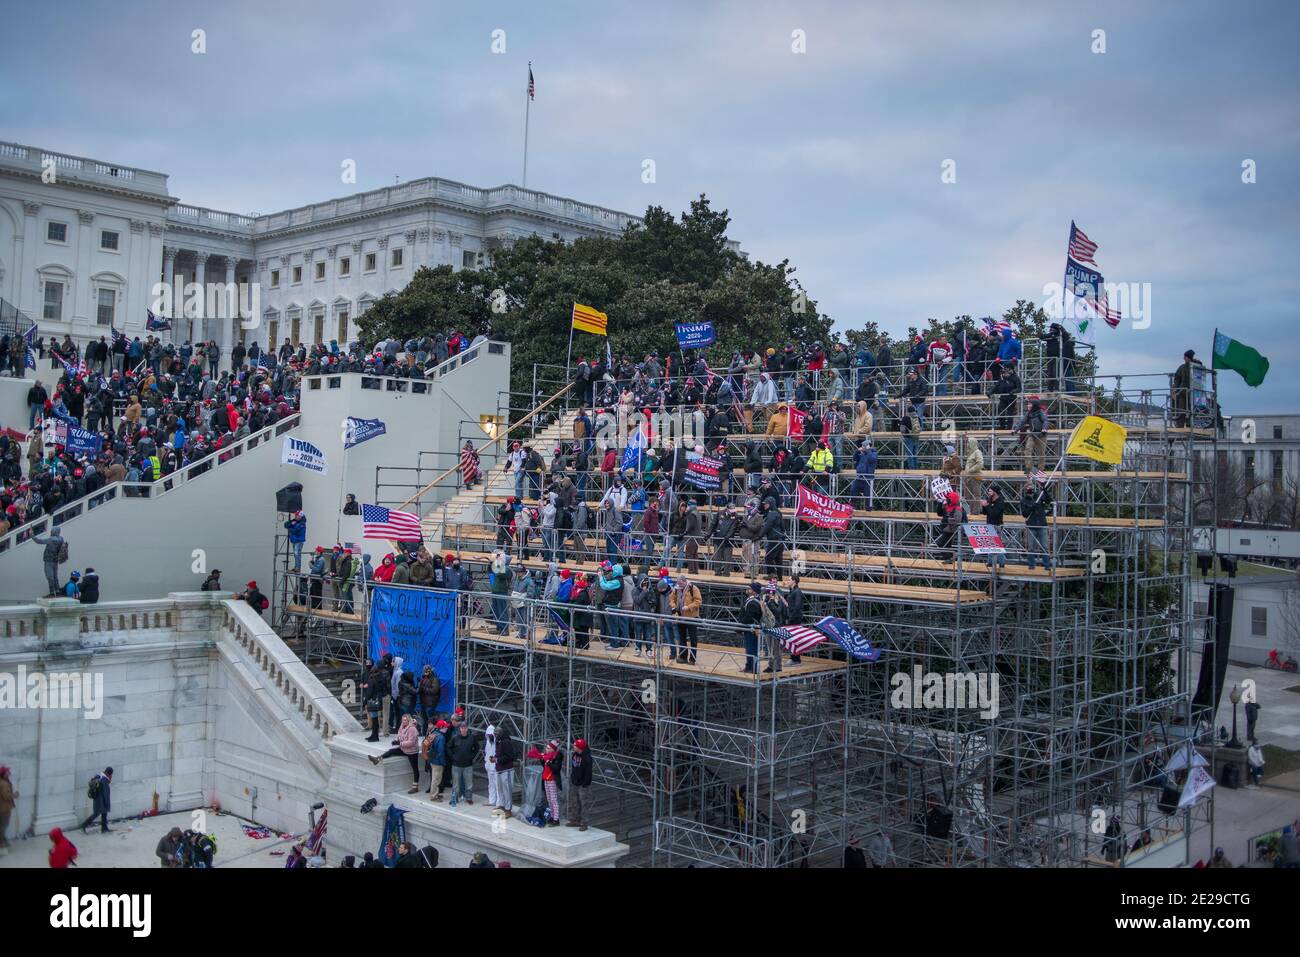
(831, 158)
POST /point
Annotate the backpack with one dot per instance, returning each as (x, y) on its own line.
(92, 789)
(63, 557)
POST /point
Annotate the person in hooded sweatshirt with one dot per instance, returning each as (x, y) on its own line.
(490, 762)
(89, 594)
(63, 853)
(507, 753)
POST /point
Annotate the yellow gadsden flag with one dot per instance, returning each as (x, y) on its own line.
(1098, 439)
(587, 319)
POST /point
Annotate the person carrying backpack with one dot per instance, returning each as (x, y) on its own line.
(100, 792)
(55, 554)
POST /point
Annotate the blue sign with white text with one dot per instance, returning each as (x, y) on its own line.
(695, 335)
(418, 626)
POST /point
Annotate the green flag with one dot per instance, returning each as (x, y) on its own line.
(1231, 354)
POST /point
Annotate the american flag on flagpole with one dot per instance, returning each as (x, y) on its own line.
(380, 522)
(1082, 251)
(1082, 248)
(994, 327)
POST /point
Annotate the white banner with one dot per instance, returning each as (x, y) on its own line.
(303, 454)
(1198, 783)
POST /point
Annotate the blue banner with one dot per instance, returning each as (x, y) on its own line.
(394, 835)
(82, 441)
(695, 335)
(356, 431)
(419, 627)
(846, 636)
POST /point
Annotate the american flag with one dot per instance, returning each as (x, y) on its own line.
(796, 639)
(1100, 304)
(994, 327)
(380, 522)
(532, 87)
(1040, 476)
(154, 323)
(1082, 248)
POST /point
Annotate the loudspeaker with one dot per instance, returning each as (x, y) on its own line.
(1214, 660)
(289, 498)
(1230, 776)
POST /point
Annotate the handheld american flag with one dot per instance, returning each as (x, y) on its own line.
(380, 522)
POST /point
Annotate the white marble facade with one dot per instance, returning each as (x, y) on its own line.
(83, 242)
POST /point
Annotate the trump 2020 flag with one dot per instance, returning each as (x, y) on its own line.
(356, 431)
(1240, 358)
(83, 441)
(846, 636)
(304, 455)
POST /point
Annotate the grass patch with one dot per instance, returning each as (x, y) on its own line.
(1245, 570)
(1279, 760)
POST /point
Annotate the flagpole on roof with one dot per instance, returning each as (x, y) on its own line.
(528, 102)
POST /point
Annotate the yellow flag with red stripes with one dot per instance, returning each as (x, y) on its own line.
(587, 319)
(1099, 439)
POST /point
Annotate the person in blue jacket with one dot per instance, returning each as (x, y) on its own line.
(1010, 348)
(297, 528)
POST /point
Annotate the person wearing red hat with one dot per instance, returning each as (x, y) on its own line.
(580, 771)
(256, 600)
(952, 517)
(552, 768)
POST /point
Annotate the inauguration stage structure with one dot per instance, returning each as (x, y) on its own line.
(1080, 676)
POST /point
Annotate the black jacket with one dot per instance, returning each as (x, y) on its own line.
(461, 750)
(89, 588)
(580, 766)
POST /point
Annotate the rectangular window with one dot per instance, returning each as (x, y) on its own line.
(272, 333)
(296, 335)
(397, 259)
(1277, 431)
(370, 262)
(320, 270)
(1259, 622)
(1250, 466)
(467, 260)
(107, 306)
(1276, 466)
(56, 232)
(345, 266)
(108, 240)
(297, 275)
(318, 324)
(343, 329)
(275, 279)
(53, 302)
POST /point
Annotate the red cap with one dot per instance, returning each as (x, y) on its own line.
(460, 709)
(251, 584)
(580, 744)
(565, 573)
(663, 573)
(442, 724)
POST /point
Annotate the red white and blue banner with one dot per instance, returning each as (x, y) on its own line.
(984, 539)
(703, 472)
(799, 639)
(822, 510)
(304, 455)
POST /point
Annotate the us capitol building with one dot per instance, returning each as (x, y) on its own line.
(83, 243)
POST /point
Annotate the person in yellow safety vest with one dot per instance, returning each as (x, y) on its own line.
(821, 462)
(155, 467)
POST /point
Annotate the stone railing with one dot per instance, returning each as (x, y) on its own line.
(262, 648)
(36, 160)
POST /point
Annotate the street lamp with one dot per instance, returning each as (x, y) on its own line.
(1235, 695)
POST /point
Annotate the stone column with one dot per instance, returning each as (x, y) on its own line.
(200, 280)
(169, 279)
(25, 286)
(85, 252)
(59, 794)
(382, 243)
(230, 306)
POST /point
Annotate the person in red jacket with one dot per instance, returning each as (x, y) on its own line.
(64, 852)
(552, 767)
(384, 573)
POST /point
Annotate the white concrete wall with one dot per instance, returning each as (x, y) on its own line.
(415, 423)
(202, 704)
(144, 547)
